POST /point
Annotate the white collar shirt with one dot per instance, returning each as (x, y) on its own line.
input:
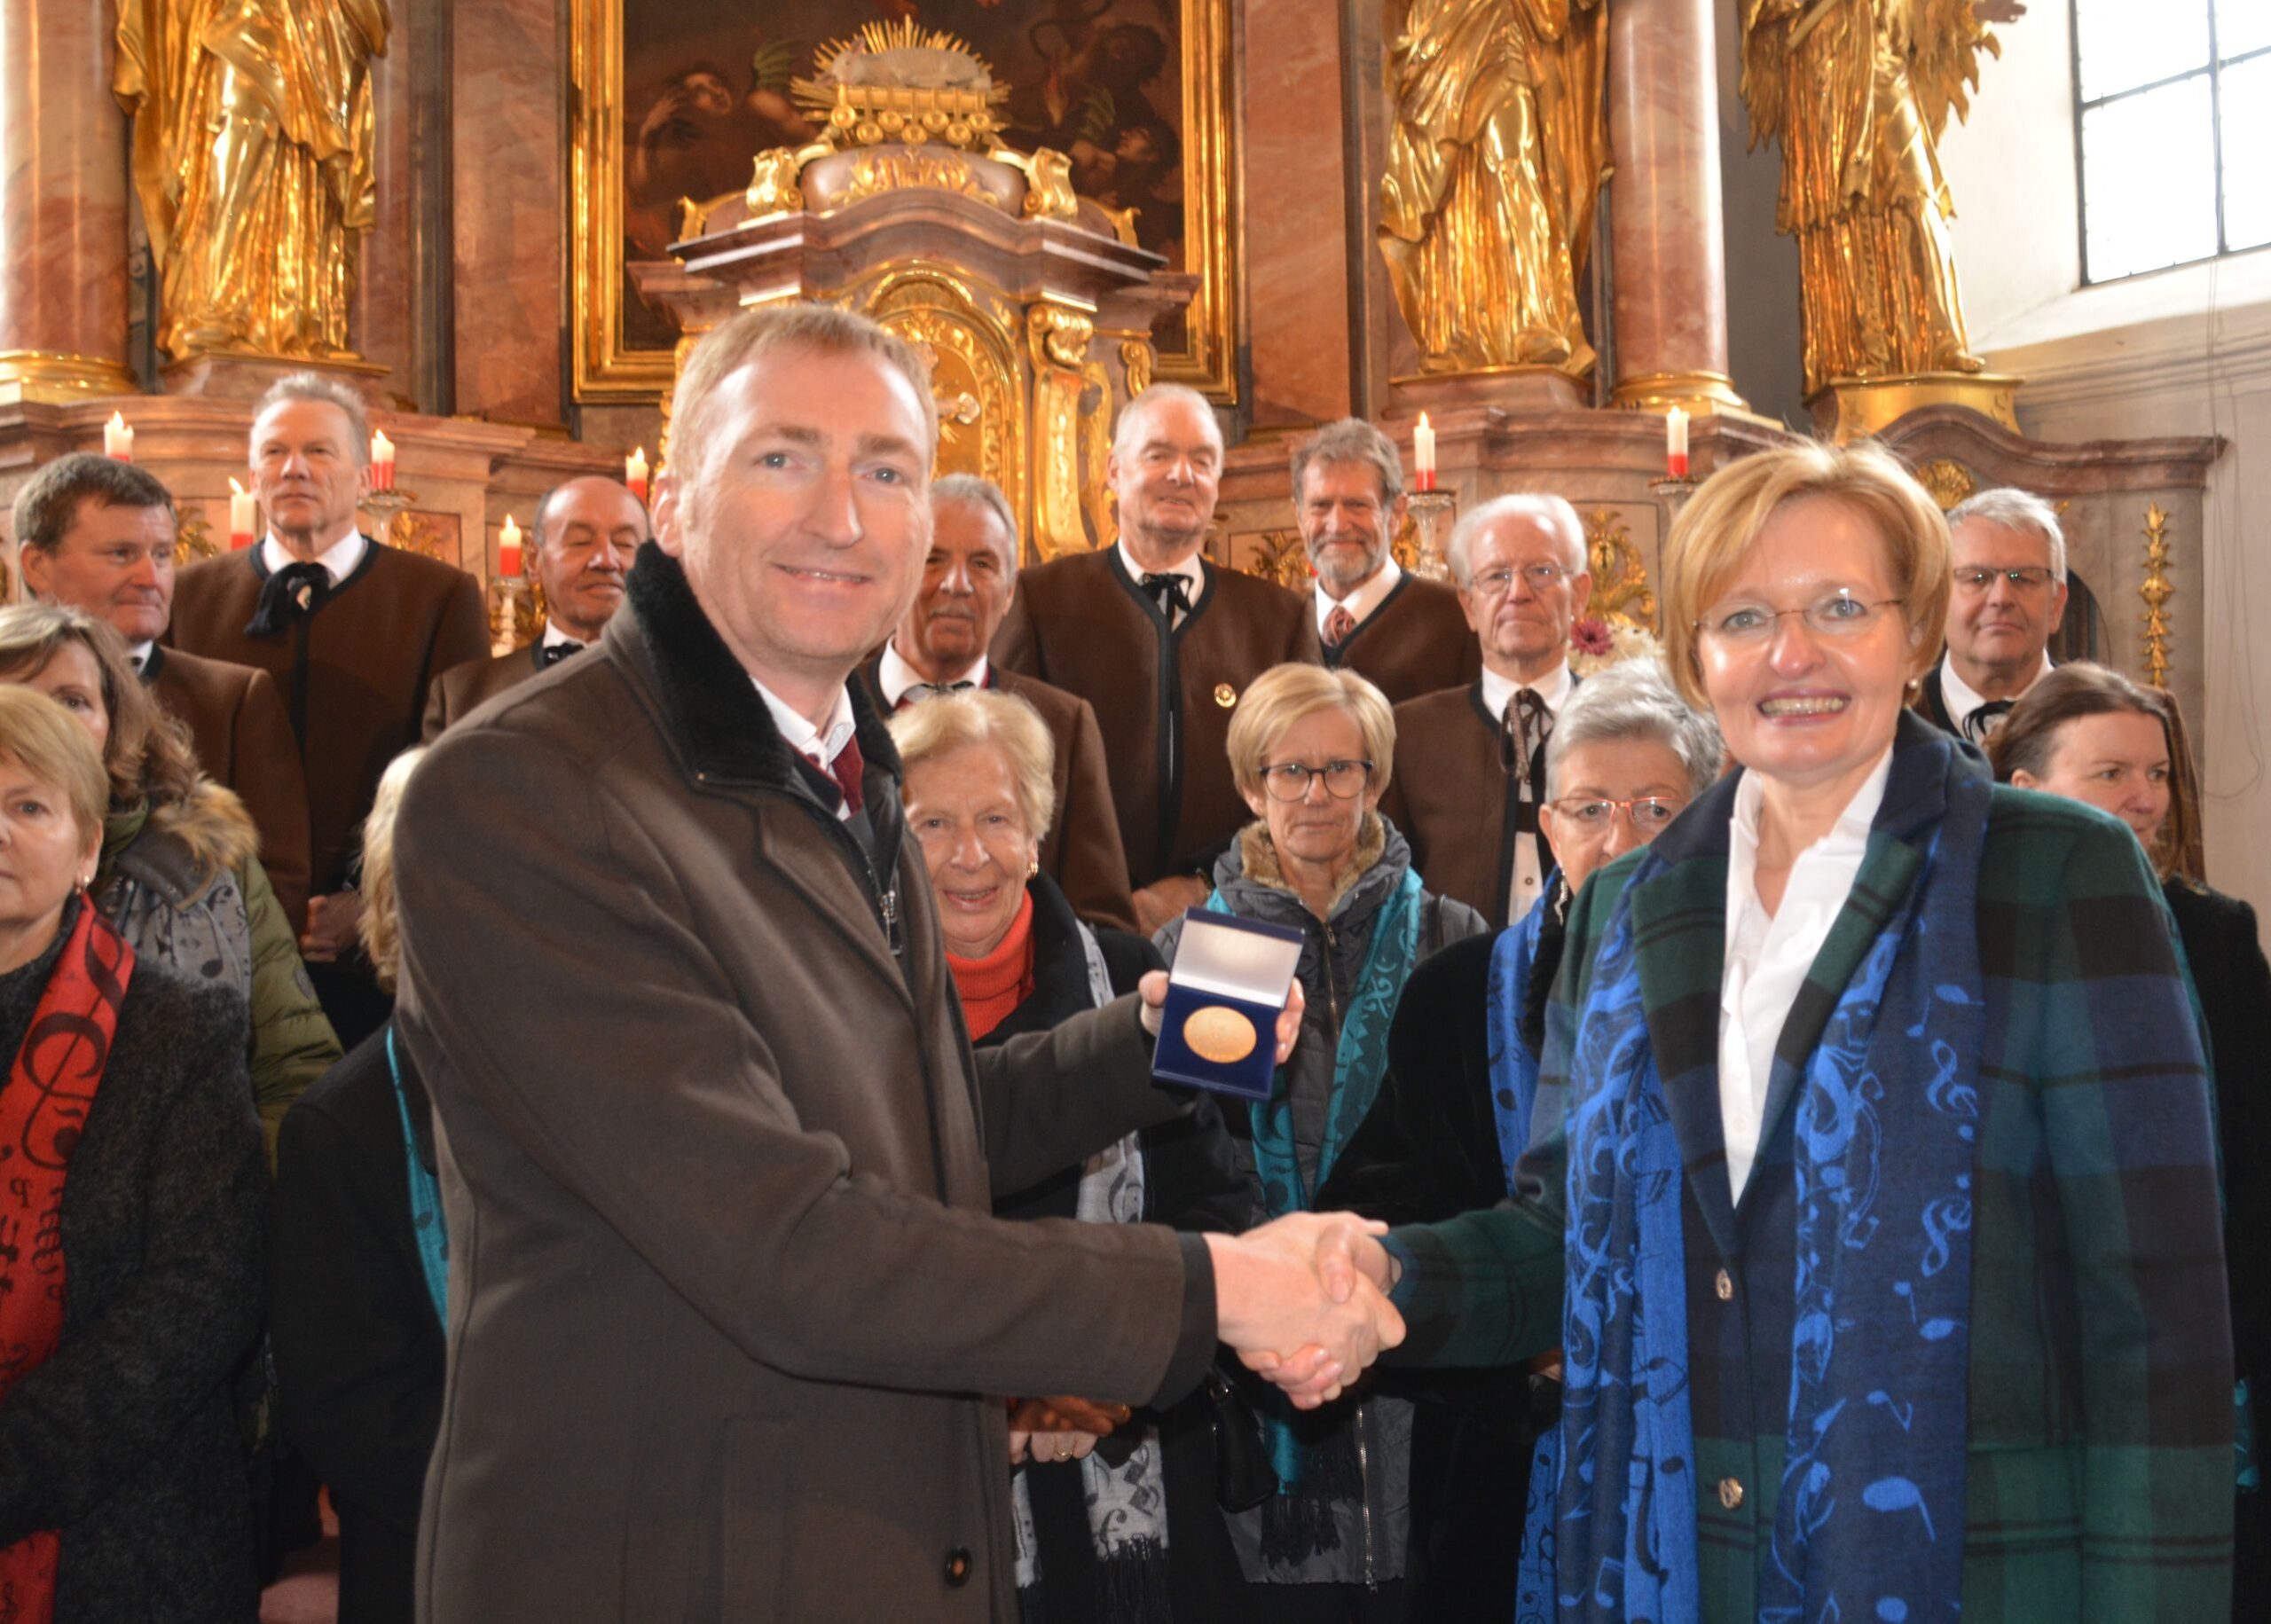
(338, 560)
(1193, 573)
(554, 637)
(140, 655)
(1961, 699)
(821, 745)
(895, 677)
(1528, 882)
(1768, 955)
(1363, 600)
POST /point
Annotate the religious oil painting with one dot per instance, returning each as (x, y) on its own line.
(679, 96)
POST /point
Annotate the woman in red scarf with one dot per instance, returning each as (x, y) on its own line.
(130, 1230)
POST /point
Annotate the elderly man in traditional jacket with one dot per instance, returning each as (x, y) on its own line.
(1407, 635)
(1162, 642)
(724, 1291)
(1471, 761)
(969, 580)
(585, 533)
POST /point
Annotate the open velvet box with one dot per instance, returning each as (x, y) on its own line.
(1225, 991)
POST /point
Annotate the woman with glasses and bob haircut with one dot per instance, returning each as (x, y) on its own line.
(1873, 1197)
(1311, 750)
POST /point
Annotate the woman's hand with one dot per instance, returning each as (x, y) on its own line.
(1152, 990)
(1061, 1428)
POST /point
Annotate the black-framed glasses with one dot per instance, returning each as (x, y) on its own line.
(1838, 614)
(1289, 780)
(1647, 813)
(2024, 577)
(1542, 577)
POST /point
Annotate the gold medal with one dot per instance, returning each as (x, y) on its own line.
(1220, 1034)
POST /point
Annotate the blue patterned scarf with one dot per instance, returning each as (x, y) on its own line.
(1359, 1065)
(1870, 1523)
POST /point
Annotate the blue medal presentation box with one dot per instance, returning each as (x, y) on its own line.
(1228, 985)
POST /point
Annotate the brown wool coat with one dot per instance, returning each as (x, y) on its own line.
(1449, 797)
(244, 741)
(1082, 853)
(1083, 623)
(1416, 642)
(370, 653)
(724, 1290)
(463, 689)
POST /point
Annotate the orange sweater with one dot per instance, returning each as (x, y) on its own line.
(991, 986)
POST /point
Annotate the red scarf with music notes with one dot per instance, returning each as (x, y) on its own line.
(43, 1108)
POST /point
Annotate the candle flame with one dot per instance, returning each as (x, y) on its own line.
(235, 489)
(117, 420)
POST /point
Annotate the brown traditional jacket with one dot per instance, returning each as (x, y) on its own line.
(464, 689)
(1416, 642)
(244, 741)
(1082, 853)
(1163, 698)
(353, 674)
(1449, 797)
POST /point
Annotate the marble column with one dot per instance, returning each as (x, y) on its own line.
(1669, 300)
(62, 205)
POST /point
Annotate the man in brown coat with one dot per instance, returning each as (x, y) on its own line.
(1471, 761)
(968, 582)
(1162, 643)
(1408, 636)
(98, 536)
(353, 632)
(586, 534)
(726, 1298)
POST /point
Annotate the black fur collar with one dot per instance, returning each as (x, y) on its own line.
(713, 712)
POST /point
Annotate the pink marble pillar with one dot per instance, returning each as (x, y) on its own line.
(1666, 256)
(62, 204)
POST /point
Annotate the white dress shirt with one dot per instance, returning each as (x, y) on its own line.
(1768, 956)
(894, 676)
(1529, 861)
(820, 745)
(1193, 573)
(554, 637)
(1961, 699)
(338, 560)
(1363, 599)
(140, 655)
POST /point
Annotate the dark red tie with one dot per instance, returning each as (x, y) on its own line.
(845, 770)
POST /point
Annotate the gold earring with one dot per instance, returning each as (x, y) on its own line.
(1033, 868)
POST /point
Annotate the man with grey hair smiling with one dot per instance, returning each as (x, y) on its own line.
(1408, 635)
(1519, 561)
(354, 632)
(1162, 642)
(2005, 604)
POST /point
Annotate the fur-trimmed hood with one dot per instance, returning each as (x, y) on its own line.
(181, 847)
(1254, 860)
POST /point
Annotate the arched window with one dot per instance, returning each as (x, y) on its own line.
(2173, 99)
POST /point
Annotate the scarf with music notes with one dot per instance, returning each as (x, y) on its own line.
(44, 1108)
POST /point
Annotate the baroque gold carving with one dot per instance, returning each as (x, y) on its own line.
(194, 540)
(1621, 594)
(1278, 555)
(873, 174)
(2156, 591)
(772, 188)
(951, 104)
(1059, 341)
(1946, 481)
(1136, 360)
(1049, 183)
(1404, 547)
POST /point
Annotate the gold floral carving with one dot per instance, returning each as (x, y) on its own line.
(2156, 591)
(194, 540)
(1276, 555)
(1059, 342)
(1404, 547)
(975, 375)
(1135, 358)
(772, 188)
(874, 173)
(1048, 183)
(1946, 481)
(1621, 591)
(415, 532)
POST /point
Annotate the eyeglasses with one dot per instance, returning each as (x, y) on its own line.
(1839, 614)
(1289, 780)
(1647, 814)
(1497, 583)
(2024, 578)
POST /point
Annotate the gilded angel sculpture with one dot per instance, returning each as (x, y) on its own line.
(1496, 152)
(252, 154)
(1858, 93)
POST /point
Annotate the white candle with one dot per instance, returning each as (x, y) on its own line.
(118, 439)
(382, 461)
(1676, 443)
(244, 516)
(1423, 453)
(635, 472)
(508, 548)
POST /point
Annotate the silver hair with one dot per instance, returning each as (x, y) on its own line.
(1634, 699)
(1351, 440)
(2017, 510)
(1458, 552)
(326, 392)
(1123, 434)
(979, 491)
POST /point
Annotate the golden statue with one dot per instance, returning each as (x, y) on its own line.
(1858, 91)
(252, 154)
(1487, 207)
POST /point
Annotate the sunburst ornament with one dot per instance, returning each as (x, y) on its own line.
(898, 82)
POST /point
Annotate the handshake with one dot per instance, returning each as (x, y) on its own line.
(1303, 1301)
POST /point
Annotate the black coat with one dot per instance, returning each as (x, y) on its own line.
(126, 1440)
(358, 1348)
(1191, 1182)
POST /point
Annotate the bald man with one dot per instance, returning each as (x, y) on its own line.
(1472, 759)
(587, 530)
